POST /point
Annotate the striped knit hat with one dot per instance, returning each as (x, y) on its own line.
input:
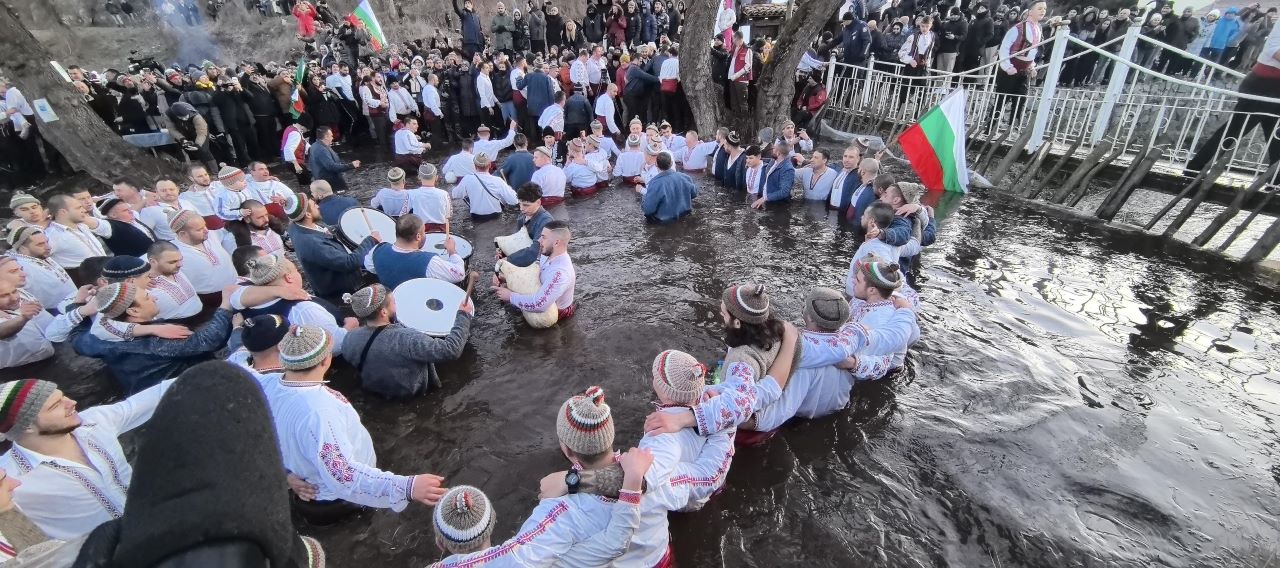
(545, 151)
(464, 519)
(426, 171)
(114, 299)
(20, 235)
(585, 423)
(19, 199)
(880, 273)
(826, 309)
(265, 269)
(20, 402)
(178, 218)
(747, 302)
(124, 267)
(481, 161)
(304, 347)
(395, 174)
(299, 207)
(263, 332)
(367, 300)
(635, 120)
(678, 377)
(633, 141)
(228, 173)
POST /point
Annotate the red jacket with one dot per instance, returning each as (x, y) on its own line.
(621, 78)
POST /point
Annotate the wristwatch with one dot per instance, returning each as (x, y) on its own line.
(572, 479)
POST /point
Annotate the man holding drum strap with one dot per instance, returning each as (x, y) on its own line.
(330, 268)
(533, 218)
(403, 260)
(405, 357)
(557, 275)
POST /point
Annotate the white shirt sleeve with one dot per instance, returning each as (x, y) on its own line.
(311, 313)
(449, 269)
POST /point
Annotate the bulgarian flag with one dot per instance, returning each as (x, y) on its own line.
(935, 145)
(296, 105)
(364, 13)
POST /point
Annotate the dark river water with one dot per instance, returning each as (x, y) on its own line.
(1077, 398)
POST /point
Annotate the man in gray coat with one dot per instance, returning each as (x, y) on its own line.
(537, 29)
(500, 28)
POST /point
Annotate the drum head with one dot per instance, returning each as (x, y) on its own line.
(429, 305)
(354, 228)
(435, 243)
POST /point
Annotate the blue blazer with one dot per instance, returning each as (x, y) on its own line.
(778, 182)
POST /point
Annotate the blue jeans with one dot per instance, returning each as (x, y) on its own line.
(509, 111)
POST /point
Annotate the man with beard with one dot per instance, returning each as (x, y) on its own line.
(557, 276)
(74, 235)
(403, 260)
(330, 268)
(406, 357)
(254, 227)
(174, 294)
(205, 263)
(67, 489)
(325, 164)
(203, 196)
(47, 281)
(27, 330)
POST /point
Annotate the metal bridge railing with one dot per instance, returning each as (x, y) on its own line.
(1140, 108)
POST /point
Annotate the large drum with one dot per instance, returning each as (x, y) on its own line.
(360, 222)
(434, 242)
(429, 305)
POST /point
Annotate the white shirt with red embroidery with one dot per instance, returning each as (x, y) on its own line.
(207, 265)
(175, 296)
(558, 278)
(323, 442)
(67, 499)
(594, 529)
(268, 240)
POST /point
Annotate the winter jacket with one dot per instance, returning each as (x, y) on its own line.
(648, 28)
(633, 28)
(618, 31)
(537, 26)
(260, 100)
(673, 26)
(593, 27)
(520, 37)
(958, 30)
(856, 41)
(468, 97)
(541, 91)
(472, 30)
(501, 27)
(1228, 28)
(1175, 33)
(555, 29)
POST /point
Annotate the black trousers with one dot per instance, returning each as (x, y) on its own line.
(1011, 89)
(268, 138)
(1249, 114)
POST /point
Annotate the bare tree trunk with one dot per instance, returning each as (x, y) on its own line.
(775, 82)
(79, 133)
(705, 96)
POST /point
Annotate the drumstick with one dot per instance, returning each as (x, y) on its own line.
(471, 283)
(365, 215)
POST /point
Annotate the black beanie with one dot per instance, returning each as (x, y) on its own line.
(263, 332)
(212, 421)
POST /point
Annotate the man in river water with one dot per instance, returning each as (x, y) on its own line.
(557, 276)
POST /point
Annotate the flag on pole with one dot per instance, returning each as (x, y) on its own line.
(296, 104)
(364, 13)
(935, 145)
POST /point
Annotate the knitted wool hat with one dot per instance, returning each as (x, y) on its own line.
(464, 519)
(747, 302)
(228, 173)
(578, 144)
(178, 218)
(654, 148)
(585, 423)
(19, 199)
(426, 171)
(395, 175)
(597, 125)
(826, 308)
(482, 161)
(20, 402)
(733, 138)
(304, 347)
(482, 128)
(664, 124)
(911, 192)
(299, 207)
(635, 120)
(263, 332)
(367, 300)
(679, 377)
(880, 273)
(265, 269)
(107, 205)
(545, 151)
(21, 235)
(633, 141)
(122, 267)
(114, 299)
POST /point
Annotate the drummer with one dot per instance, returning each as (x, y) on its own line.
(557, 276)
(429, 202)
(403, 260)
(331, 269)
(533, 218)
(331, 206)
(405, 357)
